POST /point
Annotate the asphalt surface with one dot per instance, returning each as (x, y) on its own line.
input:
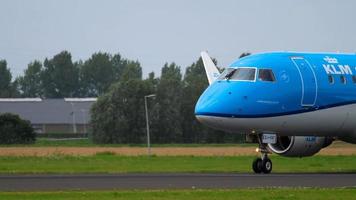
(170, 181)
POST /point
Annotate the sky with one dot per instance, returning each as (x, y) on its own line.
(158, 31)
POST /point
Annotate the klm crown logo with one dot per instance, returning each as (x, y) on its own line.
(330, 60)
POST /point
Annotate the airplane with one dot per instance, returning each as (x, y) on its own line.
(291, 103)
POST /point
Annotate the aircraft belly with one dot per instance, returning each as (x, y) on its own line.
(350, 123)
(334, 121)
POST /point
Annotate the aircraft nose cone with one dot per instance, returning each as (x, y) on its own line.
(222, 99)
(207, 106)
(211, 104)
(199, 107)
(204, 105)
(213, 101)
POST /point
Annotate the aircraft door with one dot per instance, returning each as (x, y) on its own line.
(308, 79)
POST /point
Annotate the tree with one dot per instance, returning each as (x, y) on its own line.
(153, 80)
(118, 116)
(98, 73)
(7, 88)
(166, 127)
(132, 70)
(30, 84)
(119, 65)
(60, 77)
(195, 82)
(14, 130)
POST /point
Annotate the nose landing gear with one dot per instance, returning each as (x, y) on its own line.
(263, 164)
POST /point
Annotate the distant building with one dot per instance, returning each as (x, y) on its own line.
(68, 115)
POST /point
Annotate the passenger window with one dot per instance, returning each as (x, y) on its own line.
(266, 75)
(354, 79)
(244, 74)
(343, 79)
(331, 79)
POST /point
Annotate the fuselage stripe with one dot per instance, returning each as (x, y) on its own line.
(303, 110)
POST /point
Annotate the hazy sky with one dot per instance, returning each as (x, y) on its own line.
(159, 31)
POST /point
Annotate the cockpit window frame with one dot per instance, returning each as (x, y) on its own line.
(223, 74)
(255, 75)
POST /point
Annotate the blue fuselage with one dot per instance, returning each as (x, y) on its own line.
(304, 82)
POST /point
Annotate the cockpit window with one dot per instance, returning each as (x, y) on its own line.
(266, 75)
(244, 74)
(241, 74)
(225, 73)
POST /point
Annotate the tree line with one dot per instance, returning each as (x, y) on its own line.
(60, 77)
(118, 115)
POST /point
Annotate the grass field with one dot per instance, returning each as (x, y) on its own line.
(85, 142)
(84, 147)
(109, 163)
(246, 194)
(82, 156)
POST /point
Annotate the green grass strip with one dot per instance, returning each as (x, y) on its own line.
(234, 194)
(110, 163)
(85, 142)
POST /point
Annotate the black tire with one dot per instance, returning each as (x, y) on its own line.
(257, 165)
(266, 166)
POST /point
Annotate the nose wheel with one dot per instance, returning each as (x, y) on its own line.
(260, 165)
(263, 164)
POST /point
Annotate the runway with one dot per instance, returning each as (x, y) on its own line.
(170, 181)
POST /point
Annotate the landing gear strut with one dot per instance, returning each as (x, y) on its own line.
(263, 164)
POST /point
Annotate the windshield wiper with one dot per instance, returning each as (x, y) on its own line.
(228, 76)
